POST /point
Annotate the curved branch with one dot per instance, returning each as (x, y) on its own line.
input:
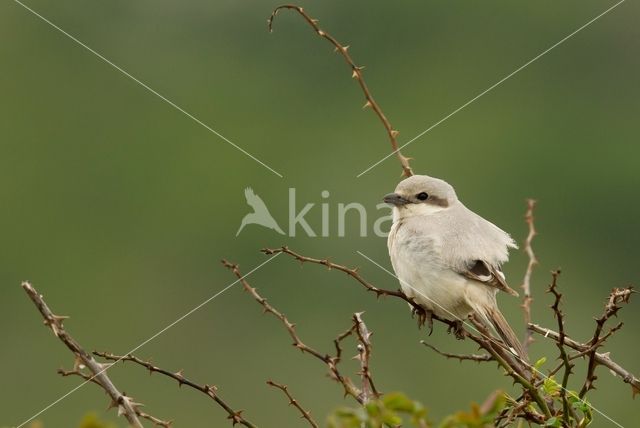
(601, 358)
(526, 282)
(330, 361)
(478, 358)
(356, 73)
(305, 414)
(126, 406)
(209, 390)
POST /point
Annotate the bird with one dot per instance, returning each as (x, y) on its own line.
(260, 214)
(447, 258)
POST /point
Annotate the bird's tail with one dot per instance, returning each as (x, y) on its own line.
(494, 318)
(505, 332)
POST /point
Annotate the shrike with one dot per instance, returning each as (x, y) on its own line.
(447, 257)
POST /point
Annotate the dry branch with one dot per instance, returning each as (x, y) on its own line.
(209, 390)
(126, 406)
(603, 359)
(461, 357)
(330, 361)
(305, 414)
(356, 73)
(369, 390)
(564, 358)
(613, 305)
(353, 273)
(526, 282)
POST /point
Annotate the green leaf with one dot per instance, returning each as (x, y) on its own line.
(553, 422)
(551, 387)
(398, 401)
(540, 362)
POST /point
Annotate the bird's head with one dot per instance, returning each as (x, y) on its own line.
(421, 195)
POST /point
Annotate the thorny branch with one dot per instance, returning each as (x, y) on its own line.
(617, 297)
(209, 390)
(356, 73)
(305, 414)
(369, 390)
(526, 283)
(126, 406)
(603, 359)
(461, 357)
(353, 273)
(568, 366)
(330, 361)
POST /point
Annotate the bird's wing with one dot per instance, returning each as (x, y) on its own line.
(254, 200)
(485, 273)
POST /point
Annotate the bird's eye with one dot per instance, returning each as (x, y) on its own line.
(422, 196)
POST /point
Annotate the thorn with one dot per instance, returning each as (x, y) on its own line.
(367, 104)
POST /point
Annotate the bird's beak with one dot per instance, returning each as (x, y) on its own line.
(395, 199)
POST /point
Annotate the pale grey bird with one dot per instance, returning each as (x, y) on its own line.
(447, 257)
(260, 214)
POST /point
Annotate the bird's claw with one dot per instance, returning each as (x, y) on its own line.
(425, 317)
(457, 328)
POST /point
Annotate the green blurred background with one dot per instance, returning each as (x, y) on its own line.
(118, 207)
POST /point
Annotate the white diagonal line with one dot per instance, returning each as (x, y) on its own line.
(476, 330)
(108, 366)
(508, 76)
(148, 88)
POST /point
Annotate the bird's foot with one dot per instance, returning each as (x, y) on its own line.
(457, 328)
(425, 317)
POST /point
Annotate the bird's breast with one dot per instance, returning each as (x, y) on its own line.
(416, 259)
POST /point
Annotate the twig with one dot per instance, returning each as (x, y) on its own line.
(526, 283)
(613, 305)
(209, 390)
(598, 344)
(293, 402)
(353, 273)
(338, 340)
(568, 367)
(126, 406)
(369, 390)
(601, 358)
(356, 73)
(331, 362)
(462, 357)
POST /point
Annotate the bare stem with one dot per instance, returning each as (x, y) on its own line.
(600, 358)
(461, 357)
(209, 390)
(305, 414)
(369, 390)
(526, 283)
(617, 297)
(568, 366)
(330, 361)
(126, 406)
(356, 73)
(353, 273)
